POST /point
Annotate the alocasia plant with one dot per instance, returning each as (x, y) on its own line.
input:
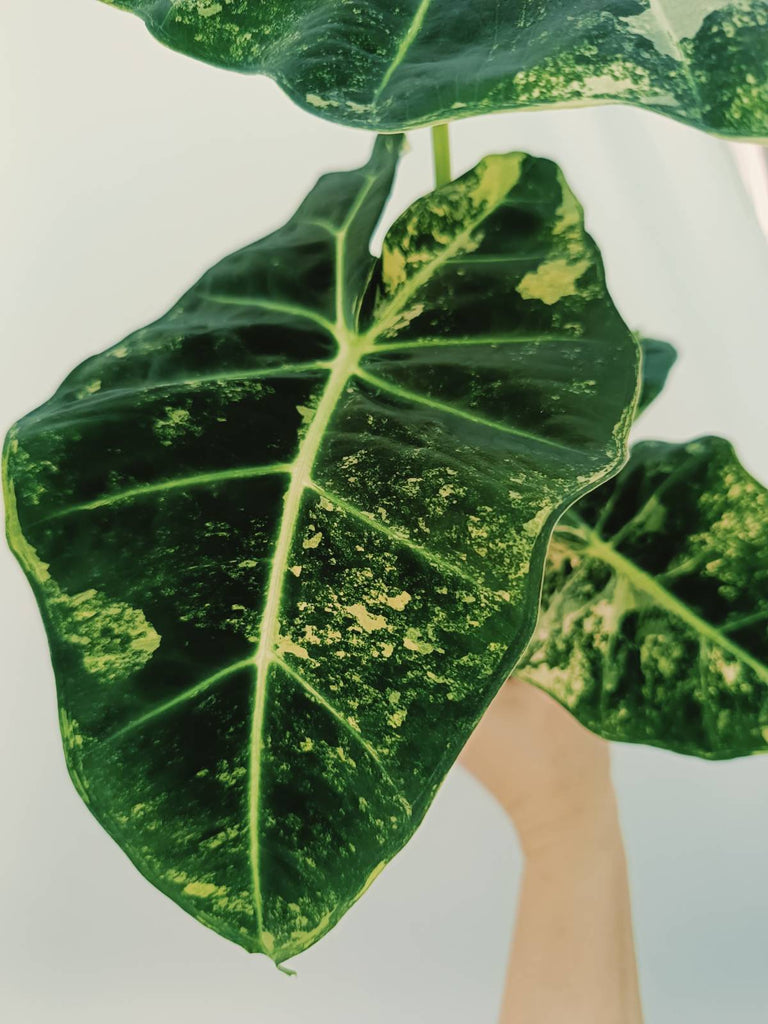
(388, 65)
(655, 608)
(289, 540)
(654, 621)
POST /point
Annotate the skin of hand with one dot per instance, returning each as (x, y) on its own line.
(572, 958)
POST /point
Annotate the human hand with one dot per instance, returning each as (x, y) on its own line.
(550, 774)
(573, 954)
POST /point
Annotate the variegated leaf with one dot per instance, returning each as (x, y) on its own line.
(394, 64)
(288, 541)
(655, 628)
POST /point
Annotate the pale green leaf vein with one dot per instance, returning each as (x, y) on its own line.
(745, 620)
(346, 725)
(482, 258)
(387, 312)
(649, 585)
(341, 327)
(301, 469)
(449, 410)
(404, 46)
(653, 501)
(176, 483)
(489, 341)
(94, 402)
(181, 698)
(394, 535)
(286, 308)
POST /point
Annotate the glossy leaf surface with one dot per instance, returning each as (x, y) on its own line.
(288, 541)
(391, 65)
(655, 628)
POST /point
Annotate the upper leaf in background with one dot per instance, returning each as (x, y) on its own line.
(655, 621)
(288, 540)
(658, 358)
(394, 64)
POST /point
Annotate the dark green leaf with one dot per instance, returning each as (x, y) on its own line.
(288, 541)
(658, 358)
(655, 628)
(390, 65)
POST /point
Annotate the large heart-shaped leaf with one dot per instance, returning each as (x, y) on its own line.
(388, 66)
(656, 622)
(288, 541)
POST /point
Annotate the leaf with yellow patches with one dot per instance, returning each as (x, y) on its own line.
(655, 621)
(302, 617)
(389, 66)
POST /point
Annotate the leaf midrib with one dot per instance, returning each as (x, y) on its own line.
(264, 656)
(648, 584)
(403, 47)
(268, 631)
(352, 345)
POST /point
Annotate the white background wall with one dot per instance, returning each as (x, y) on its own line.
(125, 171)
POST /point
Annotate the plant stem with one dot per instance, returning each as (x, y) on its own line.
(441, 152)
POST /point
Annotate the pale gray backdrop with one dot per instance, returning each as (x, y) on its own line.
(125, 171)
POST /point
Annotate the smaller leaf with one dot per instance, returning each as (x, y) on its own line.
(658, 358)
(655, 621)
